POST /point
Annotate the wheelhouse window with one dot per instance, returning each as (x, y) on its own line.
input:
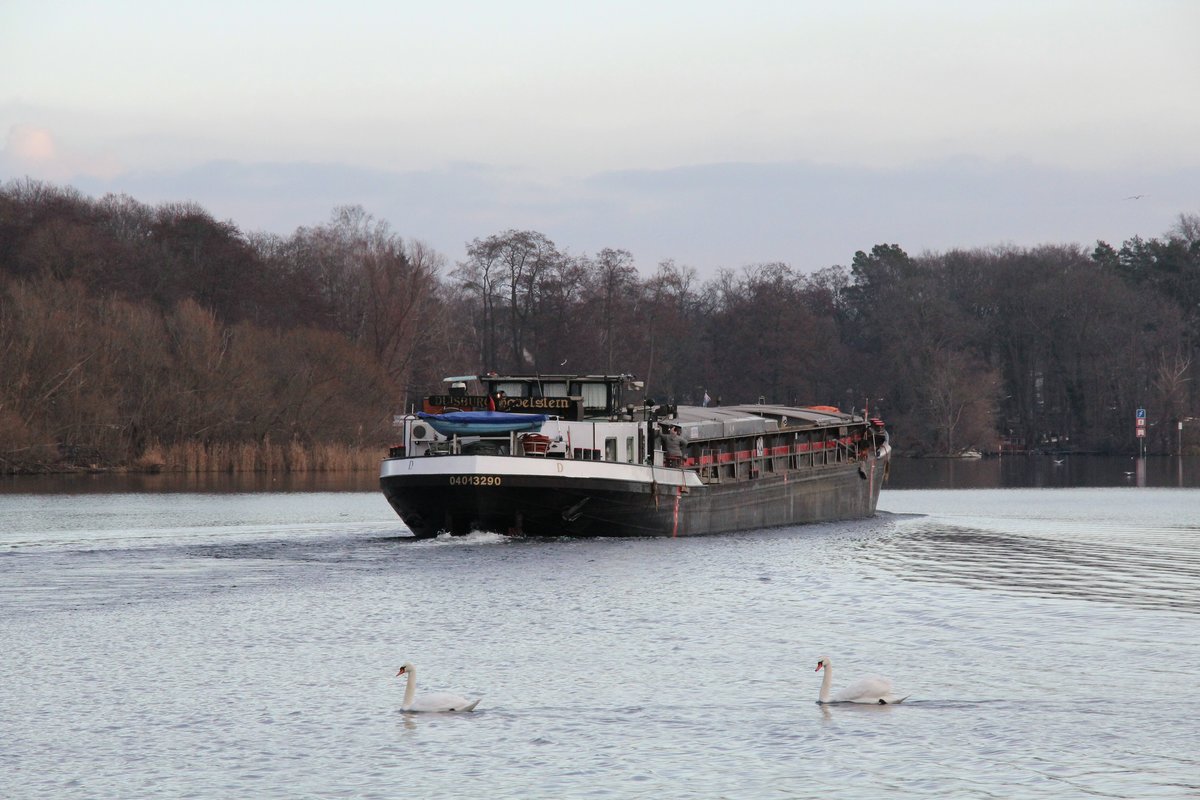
(510, 388)
(595, 395)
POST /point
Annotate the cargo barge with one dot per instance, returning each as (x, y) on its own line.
(564, 455)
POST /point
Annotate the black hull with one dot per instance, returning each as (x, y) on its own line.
(536, 505)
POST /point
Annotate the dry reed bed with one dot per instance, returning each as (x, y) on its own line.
(198, 457)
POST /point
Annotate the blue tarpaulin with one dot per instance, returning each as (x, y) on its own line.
(481, 423)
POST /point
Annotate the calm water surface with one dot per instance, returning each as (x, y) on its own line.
(223, 644)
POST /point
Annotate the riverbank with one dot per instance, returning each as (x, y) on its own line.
(201, 457)
(208, 483)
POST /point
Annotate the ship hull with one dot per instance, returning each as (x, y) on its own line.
(547, 497)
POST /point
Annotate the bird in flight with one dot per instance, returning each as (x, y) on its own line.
(1135, 197)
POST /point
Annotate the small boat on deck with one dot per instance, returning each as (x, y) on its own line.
(481, 423)
(565, 455)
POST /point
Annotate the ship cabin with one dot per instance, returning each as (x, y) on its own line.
(569, 397)
(607, 418)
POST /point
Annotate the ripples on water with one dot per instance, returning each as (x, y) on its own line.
(245, 645)
(1107, 554)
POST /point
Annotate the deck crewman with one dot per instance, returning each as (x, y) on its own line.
(672, 444)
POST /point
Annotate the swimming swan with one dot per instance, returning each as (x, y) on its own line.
(438, 701)
(872, 689)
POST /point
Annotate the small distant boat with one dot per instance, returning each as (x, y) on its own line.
(972, 453)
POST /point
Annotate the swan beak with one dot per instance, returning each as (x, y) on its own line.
(819, 665)
(401, 672)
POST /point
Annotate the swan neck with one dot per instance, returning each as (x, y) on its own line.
(410, 687)
(825, 684)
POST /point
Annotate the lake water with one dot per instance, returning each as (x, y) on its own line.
(210, 643)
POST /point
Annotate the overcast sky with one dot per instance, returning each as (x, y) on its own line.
(719, 134)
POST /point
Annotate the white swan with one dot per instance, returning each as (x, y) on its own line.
(438, 701)
(872, 689)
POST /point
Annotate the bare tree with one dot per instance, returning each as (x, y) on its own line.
(480, 274)
(517, 261)
(612, 279)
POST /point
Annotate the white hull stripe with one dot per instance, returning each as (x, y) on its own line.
(536, 467)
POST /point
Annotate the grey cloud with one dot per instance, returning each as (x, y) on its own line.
(708, 216)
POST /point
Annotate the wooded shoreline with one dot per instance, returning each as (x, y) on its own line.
(196, 458)
(158, 338)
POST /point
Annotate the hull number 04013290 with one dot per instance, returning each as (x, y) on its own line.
(474, 480)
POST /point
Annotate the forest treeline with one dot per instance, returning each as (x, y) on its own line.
(157, 337)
